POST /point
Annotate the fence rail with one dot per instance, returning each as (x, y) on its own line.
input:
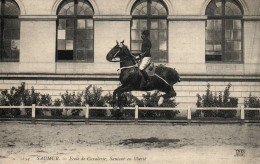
(87, 108)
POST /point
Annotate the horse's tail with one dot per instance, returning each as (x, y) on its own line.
(173, 75)
(169, 74)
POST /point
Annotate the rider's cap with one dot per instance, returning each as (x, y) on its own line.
(145, 32)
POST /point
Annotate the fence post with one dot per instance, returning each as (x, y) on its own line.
(33, 113)
(136, 113)
(189, 115)
(87, 114)
(242, 114)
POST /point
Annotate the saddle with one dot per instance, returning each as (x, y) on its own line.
(150, 69)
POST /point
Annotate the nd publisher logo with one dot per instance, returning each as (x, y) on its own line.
(240, 152)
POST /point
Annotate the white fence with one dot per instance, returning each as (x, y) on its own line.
(87, 108)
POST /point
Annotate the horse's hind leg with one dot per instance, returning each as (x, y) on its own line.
(171, 93)
(168, 94)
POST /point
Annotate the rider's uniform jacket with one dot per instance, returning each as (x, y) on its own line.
(146, 46)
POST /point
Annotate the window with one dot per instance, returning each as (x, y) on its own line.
(10, 31)
(75, 31)
(224, 31)
(150, 15)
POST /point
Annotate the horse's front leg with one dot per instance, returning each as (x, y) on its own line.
(121, 90)
(117, 97)
(115, 100)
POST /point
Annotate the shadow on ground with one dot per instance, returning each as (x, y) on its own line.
(152, 142)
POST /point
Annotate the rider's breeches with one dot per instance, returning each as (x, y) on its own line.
(145, 61)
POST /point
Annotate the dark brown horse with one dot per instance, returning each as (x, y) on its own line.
(131, 78)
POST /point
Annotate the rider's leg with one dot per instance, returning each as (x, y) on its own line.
(145, 61)
(145, 75)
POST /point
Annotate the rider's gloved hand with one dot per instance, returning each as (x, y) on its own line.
(138, 57)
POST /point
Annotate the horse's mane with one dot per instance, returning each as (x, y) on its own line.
(129, 53)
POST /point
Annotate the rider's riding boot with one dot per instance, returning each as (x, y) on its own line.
(146, 77)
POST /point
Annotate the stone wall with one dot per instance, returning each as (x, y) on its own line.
(186, 90)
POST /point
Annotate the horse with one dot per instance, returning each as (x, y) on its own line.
(131, 79)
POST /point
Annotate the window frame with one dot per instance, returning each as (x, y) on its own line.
(73, 17)
(3, 17)
(150, 17)
(223, 17)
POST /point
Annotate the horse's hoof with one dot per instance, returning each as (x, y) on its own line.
(121, 109)
(115, 108)
(160, 101)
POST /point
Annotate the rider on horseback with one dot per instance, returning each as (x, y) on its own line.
(145, 56)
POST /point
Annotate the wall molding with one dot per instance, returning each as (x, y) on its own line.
(21, 6)
(58, 2)
(112, 17)
(114, 77)
(129, 17)
(242, 2)
(251, 17)
(187, 17)
(38, 17)
(131, 3)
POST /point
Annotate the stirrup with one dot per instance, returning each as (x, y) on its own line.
(147, 82)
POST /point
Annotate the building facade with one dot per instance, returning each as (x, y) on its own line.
(59, 45)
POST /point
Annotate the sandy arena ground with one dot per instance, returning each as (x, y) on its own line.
(129, 143)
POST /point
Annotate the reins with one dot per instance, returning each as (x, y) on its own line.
(123, 60)
(132, 66)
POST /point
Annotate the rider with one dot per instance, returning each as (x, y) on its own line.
(145, 56)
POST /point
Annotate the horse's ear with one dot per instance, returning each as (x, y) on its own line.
(123, 41)
(117, 43)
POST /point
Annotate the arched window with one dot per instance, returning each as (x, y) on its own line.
(224, 31)
(10, 31)
(75, 31)
(151, 15)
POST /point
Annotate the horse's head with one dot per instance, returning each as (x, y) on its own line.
(114, 52)
(120, 52)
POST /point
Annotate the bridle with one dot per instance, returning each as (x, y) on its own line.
(115, 56)
(120, 48)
